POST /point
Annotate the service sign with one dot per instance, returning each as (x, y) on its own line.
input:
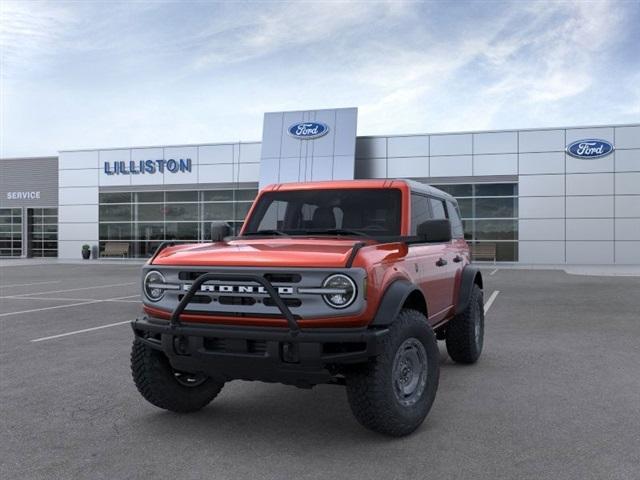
(589, 149)
(308, 130)
(23, 195)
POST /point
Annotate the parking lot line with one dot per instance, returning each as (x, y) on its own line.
(28, 284)
(79, 331)
(33, 310)
(44, 298)
(118, 299)
(87, 302)
(494, 271)
(74, 289)
(492, 298)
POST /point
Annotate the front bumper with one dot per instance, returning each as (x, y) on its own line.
(304, 358)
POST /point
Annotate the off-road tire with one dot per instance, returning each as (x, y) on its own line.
(155, 379)
(371, 388)
(463, 345)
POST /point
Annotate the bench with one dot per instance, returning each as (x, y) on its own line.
(116, 249)
(486, 251)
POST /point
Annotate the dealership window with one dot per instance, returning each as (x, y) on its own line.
(42, 226)
(145, 219)
(10, 232)
(489, 214)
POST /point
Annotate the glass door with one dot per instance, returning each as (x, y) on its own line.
(10, 232)
(42, 227)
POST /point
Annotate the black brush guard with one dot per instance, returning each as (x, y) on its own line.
(174, 321)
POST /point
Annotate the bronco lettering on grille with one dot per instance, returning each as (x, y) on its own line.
(248, 289)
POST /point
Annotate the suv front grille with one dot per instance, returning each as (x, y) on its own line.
(242, 299)
(230, 298)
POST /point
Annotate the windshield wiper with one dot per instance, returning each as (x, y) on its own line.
(336, 231)
(266, 232)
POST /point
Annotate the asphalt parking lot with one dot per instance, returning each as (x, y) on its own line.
(556, 394)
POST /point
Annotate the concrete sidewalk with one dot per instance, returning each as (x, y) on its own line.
(596, 270)
(29, 262)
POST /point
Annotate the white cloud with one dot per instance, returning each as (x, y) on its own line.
(269, 28)
(158, 73)
(547, 53)
(553, 57)
(28, 29)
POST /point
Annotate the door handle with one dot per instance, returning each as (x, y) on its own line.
(457, 259)
(441, 262)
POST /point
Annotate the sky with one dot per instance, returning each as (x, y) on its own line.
(94, 74)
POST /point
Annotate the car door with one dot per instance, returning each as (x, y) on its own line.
(427, 268)
(460, 249)
(448, 261)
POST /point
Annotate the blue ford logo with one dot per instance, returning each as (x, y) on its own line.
(308, 130)
(590, 148)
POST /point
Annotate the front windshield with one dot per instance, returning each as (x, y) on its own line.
(357, 212)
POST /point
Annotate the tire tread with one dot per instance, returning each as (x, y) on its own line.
(460, 339)
(370, 393)
(153, 377)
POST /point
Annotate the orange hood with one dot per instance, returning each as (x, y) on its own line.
(270, 252)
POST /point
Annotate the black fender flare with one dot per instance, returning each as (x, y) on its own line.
(470, 276)
(392, 301)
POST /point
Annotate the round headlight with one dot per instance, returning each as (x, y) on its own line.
(343, 291)
(152, 282)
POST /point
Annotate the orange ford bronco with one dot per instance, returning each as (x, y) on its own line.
(343, 282)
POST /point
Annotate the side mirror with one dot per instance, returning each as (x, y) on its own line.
(435, 231)
(219, 230)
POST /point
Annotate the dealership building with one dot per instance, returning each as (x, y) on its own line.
(566, 195)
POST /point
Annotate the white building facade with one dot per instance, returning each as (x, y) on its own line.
(524, 193)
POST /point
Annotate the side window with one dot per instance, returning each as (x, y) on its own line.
(438, 209)
(420, 211)
(457, 230)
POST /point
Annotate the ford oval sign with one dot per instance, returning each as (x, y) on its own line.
(590, 148)
(308, 130)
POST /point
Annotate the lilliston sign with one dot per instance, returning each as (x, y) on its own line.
(137, 167)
